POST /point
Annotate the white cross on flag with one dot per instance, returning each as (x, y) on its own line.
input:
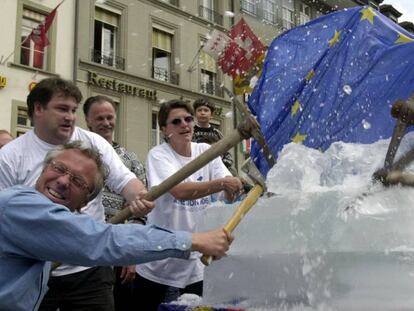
(237, 52)
(216, 44)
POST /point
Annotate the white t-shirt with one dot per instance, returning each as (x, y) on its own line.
(171, 213)
(21, 162)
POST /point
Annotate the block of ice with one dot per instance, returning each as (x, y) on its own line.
(300, 246)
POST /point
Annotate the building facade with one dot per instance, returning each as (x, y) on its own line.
(23, 63)
(140, 53)
(147, 52)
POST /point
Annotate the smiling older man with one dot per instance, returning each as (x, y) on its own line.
(38, 226)
(52, 106)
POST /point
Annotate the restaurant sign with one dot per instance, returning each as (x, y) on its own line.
(120, 87)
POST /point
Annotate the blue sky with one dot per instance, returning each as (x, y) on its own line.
(404, 6)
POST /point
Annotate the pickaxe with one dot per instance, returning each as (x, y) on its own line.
(254, 194)
(392, 173)
(248, 128)
(404, 113)
(250, 170)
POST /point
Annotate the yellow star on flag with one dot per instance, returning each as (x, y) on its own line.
(298, 139)
(368, 14)
(335, 38)
(403, 39)
(310, 75)
(295, 108)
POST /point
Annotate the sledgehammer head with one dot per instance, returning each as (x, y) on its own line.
(404, 111)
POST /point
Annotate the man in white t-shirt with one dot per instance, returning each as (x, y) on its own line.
(52, 106)
(182, 207)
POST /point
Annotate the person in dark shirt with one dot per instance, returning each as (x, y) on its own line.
(205, 132)
(100, 117)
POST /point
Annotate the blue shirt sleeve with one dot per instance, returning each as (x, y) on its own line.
(34, 227)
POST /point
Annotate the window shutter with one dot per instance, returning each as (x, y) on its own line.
(106, 17)
(207, 62)
(161, 40)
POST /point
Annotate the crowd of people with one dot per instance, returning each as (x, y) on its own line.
(59, 184)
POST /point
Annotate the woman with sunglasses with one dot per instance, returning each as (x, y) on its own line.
(182, 207)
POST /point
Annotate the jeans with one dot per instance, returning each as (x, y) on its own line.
(148, 295)
(88, 290)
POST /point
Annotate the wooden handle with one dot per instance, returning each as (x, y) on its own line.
(210, 154)
(238, 215)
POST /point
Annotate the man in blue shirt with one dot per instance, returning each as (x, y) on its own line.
(38, 226)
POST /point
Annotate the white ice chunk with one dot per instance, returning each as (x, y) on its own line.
(301, 247)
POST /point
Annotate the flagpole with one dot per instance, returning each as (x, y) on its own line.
(14, 51)
(191, 67)
(2, 62)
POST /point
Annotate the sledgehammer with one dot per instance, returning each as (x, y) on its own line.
(254, 194)
(250, 170)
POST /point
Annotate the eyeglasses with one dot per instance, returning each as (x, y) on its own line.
(178, 121)
(76, 180)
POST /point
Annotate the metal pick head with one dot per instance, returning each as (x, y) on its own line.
(251, 170)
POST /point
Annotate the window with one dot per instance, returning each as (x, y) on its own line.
(318, 14)
(249, 6)
(208, 82)
(208, 74)
(105, 49)
(23, 117)
(393, 18)
(304, 13)
(208, 10)
(172, 2)
(156, 135)
(32, 54)
(374, 5)
(288, 18)
(161, 55)
(116, 135)
(269, 11)
(20, 121)
(23, 122)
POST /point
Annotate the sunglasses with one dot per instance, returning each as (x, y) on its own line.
(178, 121)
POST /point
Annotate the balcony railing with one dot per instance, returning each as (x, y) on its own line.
(211, 88)
(210, 14)
(172, 2)
(249, 7)
(165, 75)
(110, 60)
(270, 17)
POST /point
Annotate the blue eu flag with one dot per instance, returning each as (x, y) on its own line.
(333, 79)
